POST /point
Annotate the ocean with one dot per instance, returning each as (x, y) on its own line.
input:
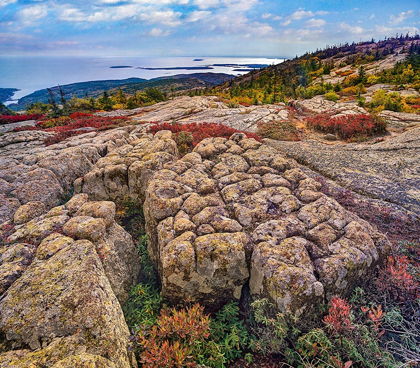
(30, 73)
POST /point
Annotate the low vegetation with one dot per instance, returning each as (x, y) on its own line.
(189, 135)
(348, 126)
(283, 130)
(9, 119)
(69, 126)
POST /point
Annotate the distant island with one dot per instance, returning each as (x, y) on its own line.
(121, 67)
(131, 85)
(179, 68)
(250, 66)
(198, 59)
(7, 93)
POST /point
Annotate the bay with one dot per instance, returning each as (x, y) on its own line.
(29, 74)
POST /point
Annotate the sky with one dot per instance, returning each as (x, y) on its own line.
(260, 28)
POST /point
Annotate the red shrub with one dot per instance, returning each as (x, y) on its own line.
(174, 339)
(396, 279)
(87, 121)
(8, 119)
(78, 115)
(338, 318)
(348, 126)
(26, 127)
(200, 131)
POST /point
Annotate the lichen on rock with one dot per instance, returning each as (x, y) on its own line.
(254, 217)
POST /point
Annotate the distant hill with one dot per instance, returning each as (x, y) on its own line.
(335, 67)
(6, 93)
(130, 86)
(4, 110)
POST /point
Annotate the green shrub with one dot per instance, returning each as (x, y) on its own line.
(331, 96)
(229, 332)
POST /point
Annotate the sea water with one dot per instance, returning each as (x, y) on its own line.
(32, 73)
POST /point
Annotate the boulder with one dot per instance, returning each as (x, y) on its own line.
(66, 297)
(253, 217)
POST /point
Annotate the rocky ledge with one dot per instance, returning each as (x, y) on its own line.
(234, 215)
(237, 212)
(63, 275)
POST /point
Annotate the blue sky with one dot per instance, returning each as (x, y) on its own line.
(196, 27)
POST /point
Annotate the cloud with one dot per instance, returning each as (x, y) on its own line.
(7, 37)
(238, 5)
(297, 15)
(64, 43)
(322, 12)
(157, 32)
(161, 2)
(315, 23)
(198, 15)
(205, 4)
(32, 14)
(372, 16)
(351, 29)
(401, 17)
(300, 14)
(166, 17)
(384, 30)
(270, 16)
(6, 2)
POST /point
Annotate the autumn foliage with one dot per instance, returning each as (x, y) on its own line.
(8, 119)
(69, 126)
(176, 338)
(199, 131)
(338, 318)
(349, 126)
(396, 279)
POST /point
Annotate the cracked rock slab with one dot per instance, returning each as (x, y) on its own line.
(261, 220)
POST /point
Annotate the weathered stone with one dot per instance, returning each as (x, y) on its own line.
(103, 210)
(14, 260)
(29, 211)
(267, 223)
(85, 227)
(67, 295)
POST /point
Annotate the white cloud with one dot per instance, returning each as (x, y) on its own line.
(117, 13)
(322, 12)
(31, 14)
(161, 2)
(271, 16)
(401, 17)
(64, 43)
(166, 17)
(239, 5)
(300, 14)
(6, 2)
(372, 16)
(157, 32)
(198, 15)
(315, 23)
(110, 1)
(286, 23)
(7, 37)
(351, 29)
(205, 4)
(384, 30)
